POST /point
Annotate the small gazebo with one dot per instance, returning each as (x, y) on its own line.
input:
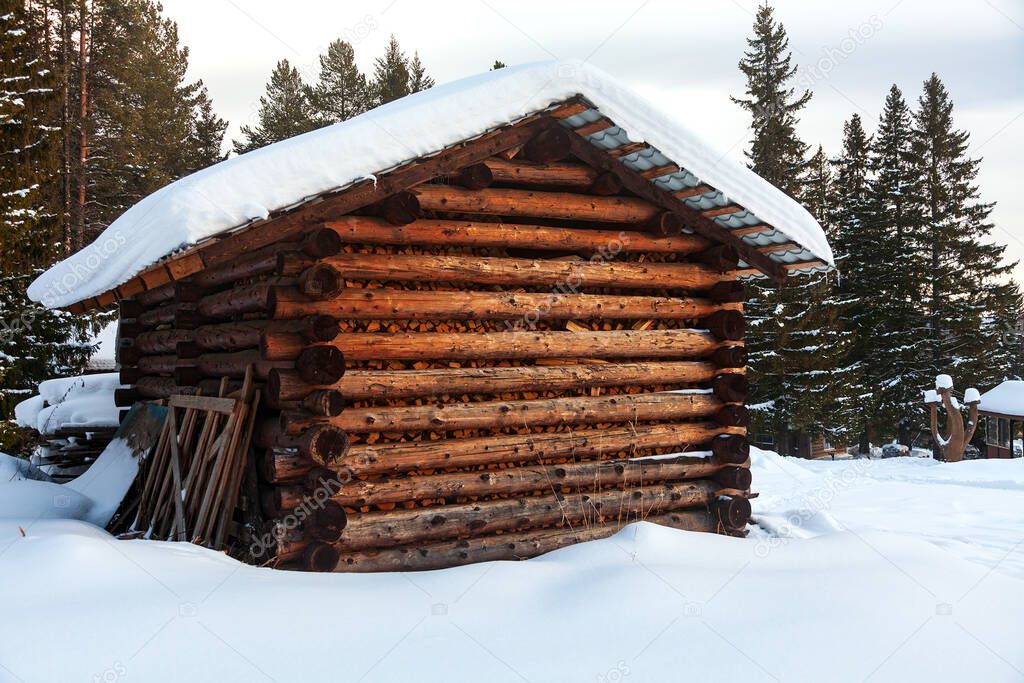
(1003, 410)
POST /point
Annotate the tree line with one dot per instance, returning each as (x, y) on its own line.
(97, 113)
(921, 284)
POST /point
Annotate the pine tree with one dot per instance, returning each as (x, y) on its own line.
(341, 91)
(963, 274)
(776, 152)
(207, 134)
(498, 64)
(35, 343)
(391, 74)
(285, 111)
(418, 78)
(145, 125)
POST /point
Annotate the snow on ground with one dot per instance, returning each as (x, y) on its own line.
(895, 570)
(94, 496)
(251, 186)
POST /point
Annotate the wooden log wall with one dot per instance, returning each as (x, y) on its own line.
(482, 368)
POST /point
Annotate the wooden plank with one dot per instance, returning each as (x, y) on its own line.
(723, 211)
(658, 171)
(208, 403)
(693, 191)
(594, 127)
(627, 149)
(179, 511)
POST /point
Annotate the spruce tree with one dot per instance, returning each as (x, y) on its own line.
(342, 90)
(418, 78)
(964, 272)
(498, 64)
(27, 144)
(788, 323)
(285, 111)
(390, 74)
(776, 152)
(892, 276)
(207, 134)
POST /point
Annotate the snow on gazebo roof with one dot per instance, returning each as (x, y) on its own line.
(252, 186)
(1006, 399)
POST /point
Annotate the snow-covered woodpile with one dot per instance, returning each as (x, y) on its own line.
(486, 352)
(76, 418)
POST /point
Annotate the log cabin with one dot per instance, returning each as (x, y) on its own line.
(1002, 407)
(488, 320)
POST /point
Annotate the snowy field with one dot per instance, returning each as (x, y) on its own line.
(895, 570)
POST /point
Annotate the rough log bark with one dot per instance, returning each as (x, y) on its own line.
(688, 344)
(428, 233)
(243, 335)
(398, 304)
(285, 386)
(161, 341)
(564, 175)
(576, 477)
(573, 275)
(399, 527)
(585, 410)
(503, 547)
(379, 460)
(323, 444)
(533, 204)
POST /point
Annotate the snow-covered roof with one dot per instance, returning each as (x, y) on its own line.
(1006, 399)
(252, 186)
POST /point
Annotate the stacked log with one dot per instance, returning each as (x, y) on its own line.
(486, 367)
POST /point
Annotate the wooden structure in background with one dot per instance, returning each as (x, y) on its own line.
(1004, 421)
(471, 358)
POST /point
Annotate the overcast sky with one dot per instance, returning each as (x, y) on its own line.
(682, 54)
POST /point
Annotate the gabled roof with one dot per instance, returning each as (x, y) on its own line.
(261, 184)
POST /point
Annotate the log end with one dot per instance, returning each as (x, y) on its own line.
(400, 208)
(665, 224)
(726, 325)
(731, 388)
(551, 144)
(733, 416)
(320, 364)
(320, 557)
(325, 523)
(328, 445)
(322, 243)
(475, 177)
(730, 357)
(729, 292)
(732, 513)
(321, 281)
(730, 448)
(721, 258)
(321, 328)
(738, 478)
